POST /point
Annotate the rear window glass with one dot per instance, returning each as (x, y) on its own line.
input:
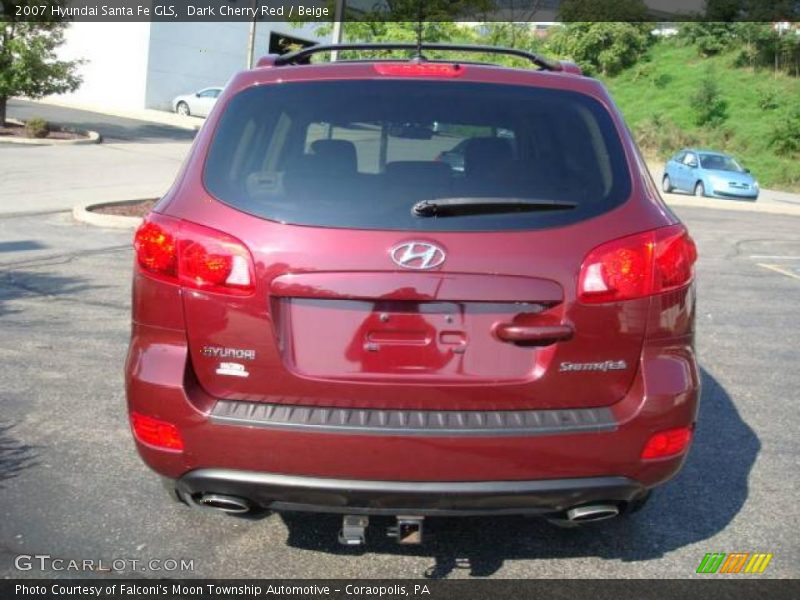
(361, 154)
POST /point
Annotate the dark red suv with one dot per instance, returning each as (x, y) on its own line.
(329, 316)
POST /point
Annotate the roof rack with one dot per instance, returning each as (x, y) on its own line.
(304, 53)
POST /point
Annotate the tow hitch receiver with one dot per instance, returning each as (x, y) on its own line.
(353, 528)
(407, 531)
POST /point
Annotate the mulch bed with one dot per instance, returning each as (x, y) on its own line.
(137, 209)
(14, 130)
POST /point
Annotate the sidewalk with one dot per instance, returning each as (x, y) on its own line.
(49, 178)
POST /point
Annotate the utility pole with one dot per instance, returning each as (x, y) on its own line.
(338, 18)
(251, 38)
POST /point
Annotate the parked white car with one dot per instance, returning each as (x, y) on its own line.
(198, 104)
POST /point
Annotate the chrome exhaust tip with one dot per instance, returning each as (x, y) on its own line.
(228, 504)
(593, 512)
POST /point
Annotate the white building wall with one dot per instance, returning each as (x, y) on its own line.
(184, 57)
(116, 63)
(145, 65)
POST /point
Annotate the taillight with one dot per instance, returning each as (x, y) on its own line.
(194, 256)
(639, 265)
(155, 432)
(419, 69)
(156, 249)
(675, 256)
(670, 442)
(214, 261)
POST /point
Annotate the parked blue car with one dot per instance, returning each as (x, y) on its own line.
(706, 173)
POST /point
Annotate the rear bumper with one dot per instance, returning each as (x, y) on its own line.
(422, 498)
(585, 447)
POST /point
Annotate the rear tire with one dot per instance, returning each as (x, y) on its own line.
(666, 185)
(183, 109)
(699, 189)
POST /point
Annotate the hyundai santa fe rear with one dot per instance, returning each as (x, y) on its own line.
(328, 316)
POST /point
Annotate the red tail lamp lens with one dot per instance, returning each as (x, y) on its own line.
(202, 266)
(155, 432)
(419, 69)
(637, 266)
(670, 442)
(156, 249)
(214, 261)
(675, 258)
(194, 256)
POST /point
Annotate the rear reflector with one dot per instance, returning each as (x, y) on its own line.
(194, 256)
(670, 442)
(155, 432)
(639, 265)
(419, 69)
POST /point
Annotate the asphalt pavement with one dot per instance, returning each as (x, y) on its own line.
(136, 160)
(72, 485)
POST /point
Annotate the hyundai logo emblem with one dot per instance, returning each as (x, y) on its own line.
(417, 255)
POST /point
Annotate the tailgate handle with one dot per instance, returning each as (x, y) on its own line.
(532, 335)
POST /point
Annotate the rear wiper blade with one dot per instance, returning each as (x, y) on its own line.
(445, 207)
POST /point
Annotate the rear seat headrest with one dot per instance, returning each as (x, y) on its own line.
(484, 155)
(336, 154)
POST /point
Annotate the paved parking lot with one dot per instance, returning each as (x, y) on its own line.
(72, 486)
(113, 129)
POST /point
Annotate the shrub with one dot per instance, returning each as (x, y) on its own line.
(707, 103)
(785, 137)
(662, 80)
(722, 138)
(37, 128)
(710, 38)
(660, 137)
(643, 70)
(601, 47)
(768, 100)
(602, 10)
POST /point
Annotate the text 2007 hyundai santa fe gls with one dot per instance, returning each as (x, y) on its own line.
(328, 316)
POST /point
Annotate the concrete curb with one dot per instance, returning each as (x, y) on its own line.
(774, 208)
(92, 137)
(146, 115)
(84, 214)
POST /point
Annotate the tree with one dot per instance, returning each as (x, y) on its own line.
(510, 34)
(28, 63)
(710, 38)
(422, 10)
(403, 31)
(709, 107)
(763, 11)
(785, 137)
(602, 10)
(601, 47)
(511, 24)
(408, 21)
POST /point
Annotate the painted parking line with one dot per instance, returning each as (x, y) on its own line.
(773, 257)
(782, 270)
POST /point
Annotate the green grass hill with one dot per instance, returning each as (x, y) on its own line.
(655, 98)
